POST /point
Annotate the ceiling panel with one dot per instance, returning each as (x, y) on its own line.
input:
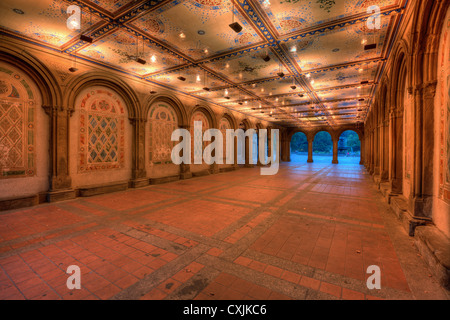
(198, 28)
(317, 45)
(44, 20)
(120, 48)
(338, 46)
(289, 16)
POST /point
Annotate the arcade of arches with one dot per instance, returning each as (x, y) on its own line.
(86, 175)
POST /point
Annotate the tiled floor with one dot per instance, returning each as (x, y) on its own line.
(309, 232)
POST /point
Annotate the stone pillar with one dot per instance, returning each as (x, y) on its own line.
(422, 194)
(384, 151)
(372, 151)
(363, 147)
(335, 150)
(139, 173)
(258, 162)
(248, 156)
(285, 148)
(185, 169)
(376, 167)
(60, 180)
(310, 150)
(396, 172)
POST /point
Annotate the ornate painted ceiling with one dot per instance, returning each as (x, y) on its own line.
(329, 77)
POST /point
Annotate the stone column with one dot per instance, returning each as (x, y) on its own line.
(422, 194)
(363, 146)
(60, 180)
(258, 162)
(335, 150)
(310, 150)
(396, 172)
(248, 156)
(185, 169)
(139, 173)
(384, 152)
(372, 151)
(376, 169)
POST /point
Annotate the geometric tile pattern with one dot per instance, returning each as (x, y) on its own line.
(17, 148)
(163, 122)
(101, 140)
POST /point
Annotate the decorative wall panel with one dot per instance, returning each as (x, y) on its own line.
(17, 126)
(197, 141)
(102, 129)
(444, 91)
(163, 121)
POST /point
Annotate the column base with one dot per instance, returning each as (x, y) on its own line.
(61, 195)
(185, 176)
(139, 183)
(335, 162)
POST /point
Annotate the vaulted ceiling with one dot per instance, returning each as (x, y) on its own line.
(329, 77)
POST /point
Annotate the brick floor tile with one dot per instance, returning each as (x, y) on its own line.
(330, 289)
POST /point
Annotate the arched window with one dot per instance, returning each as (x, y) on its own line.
(163, 121)
(17, 126)
(102, 131)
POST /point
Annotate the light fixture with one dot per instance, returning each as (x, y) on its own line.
(86, 38)
(205, 83)
(18, 11)
(266, 56)
(293, 87)
(370, 46)
(74, 65)
(280, 74)
(141, 61)
(181, 78)
(153, 59)
(75, 25)
(152, 92)
(198, 79)
(364, 82)
(294, 49)
(182, 35)
(235, 26)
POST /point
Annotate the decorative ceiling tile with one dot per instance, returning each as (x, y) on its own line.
(293, 57)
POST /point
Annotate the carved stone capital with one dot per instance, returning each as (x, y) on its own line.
(429, 90)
